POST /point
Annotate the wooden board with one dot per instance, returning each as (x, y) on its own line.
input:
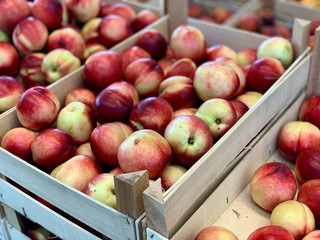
(166, 214)
(30, 208)
(295, 9)
(3, 229)
(156, 6)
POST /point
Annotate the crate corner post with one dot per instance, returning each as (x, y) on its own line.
(131, 186)
(300, 35)
(155, 208)
(313, 86)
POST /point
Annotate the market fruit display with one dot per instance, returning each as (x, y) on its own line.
(137, 108)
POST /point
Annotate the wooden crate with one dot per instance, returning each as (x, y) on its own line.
(105, 220)
(166, 213)
(230, 204)
(294, 9)
(118, 225)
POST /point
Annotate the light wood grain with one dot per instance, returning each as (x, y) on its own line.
(300, 35)
(129, 188)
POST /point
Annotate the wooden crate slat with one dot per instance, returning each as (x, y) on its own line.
(170, 196)
(36, 212)
(96, 215)
(4, 235)
(156, 6)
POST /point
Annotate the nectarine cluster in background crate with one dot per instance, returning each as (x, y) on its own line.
(213, 11)
(261, 17)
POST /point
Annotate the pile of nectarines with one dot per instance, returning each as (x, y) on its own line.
(154, 106)
(43, 40)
